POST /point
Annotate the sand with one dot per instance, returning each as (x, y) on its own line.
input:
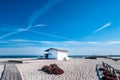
(75, 69)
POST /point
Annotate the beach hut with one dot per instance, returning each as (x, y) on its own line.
(53, 53)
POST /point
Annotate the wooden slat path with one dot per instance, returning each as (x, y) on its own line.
(11, 73)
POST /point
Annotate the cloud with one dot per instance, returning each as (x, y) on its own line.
(50, 43)
(22, 51)
(74, 47)
(114, 42)
(42, 43)
(24, 46)
(92, 42)
(60, 43)
(20, 40)
(3, 42)
(38, 25)
(103, 27)
(79, 50)
(21, 29)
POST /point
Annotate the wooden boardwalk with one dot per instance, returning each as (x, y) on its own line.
(11, 73)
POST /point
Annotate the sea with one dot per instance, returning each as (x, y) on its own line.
(41, 56)
(38, 56)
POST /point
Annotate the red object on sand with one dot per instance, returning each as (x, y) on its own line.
(52, 69)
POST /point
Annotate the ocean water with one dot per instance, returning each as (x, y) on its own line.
(115, 57)
(100, 56)
(42, 56)
(77, 56)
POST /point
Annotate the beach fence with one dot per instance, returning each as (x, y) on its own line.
(107, 72)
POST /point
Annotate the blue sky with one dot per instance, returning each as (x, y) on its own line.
(80, 26)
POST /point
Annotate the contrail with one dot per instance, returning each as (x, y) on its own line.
(47, 34)
(43, 33)
(12, 33)
(9, 34)
(105, 26)
(39, 12)
(34, 16)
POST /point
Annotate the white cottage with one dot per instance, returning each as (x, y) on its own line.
(56, 54)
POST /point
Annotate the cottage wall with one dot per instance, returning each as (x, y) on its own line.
(61, 55)
(57, 54)
(53, 54)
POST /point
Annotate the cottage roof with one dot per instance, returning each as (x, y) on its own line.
(56, 50)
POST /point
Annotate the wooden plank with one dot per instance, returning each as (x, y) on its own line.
(98, 73)
(15, 61)
(11, 73)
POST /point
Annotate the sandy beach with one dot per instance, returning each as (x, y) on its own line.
(74, 69)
